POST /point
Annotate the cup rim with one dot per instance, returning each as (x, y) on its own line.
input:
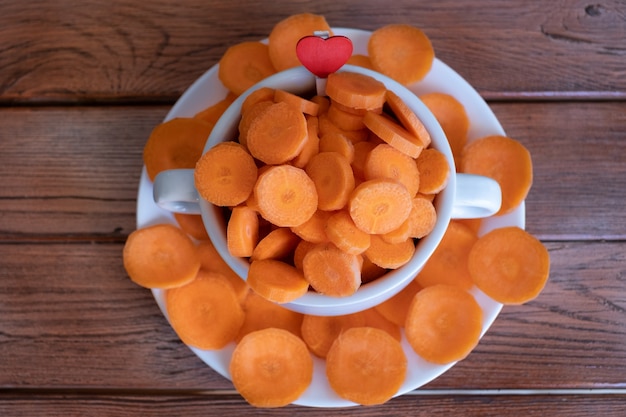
(300, 80)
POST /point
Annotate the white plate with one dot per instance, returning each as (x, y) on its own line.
(207, 90)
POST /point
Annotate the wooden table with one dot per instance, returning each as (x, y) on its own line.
(83, 83)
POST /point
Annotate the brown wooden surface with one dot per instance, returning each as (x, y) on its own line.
(82, 87)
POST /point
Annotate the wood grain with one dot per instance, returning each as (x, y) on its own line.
(124, 50)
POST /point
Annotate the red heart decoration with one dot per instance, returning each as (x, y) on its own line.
(323, 56)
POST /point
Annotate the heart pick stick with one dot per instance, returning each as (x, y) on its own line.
(322, 55)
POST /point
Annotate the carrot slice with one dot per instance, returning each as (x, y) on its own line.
(248, 116)
(344, 119)
(303, 105)
(389, 255)
(422, 218)
(192, 224)
(243, 65)
(408, 118)
(360, 60)
(379, 205)
(333, 178)
(177, 143)
(314, 229)
(277, 244)
(337, 142)
(210, 260)
(242, 231)
(396, 308)
(225, 175)
(394, 134)
(402, 52)
(434, 171)
(311, 145)
(323, 102)
(319, 332)
(366, 365)
(509, 265)
(374, 319)
(286, 195)
(213, 113)
(356, 90)
(505, 160)
(385, 161)
(448, 263)
(276, 281)
(343, 233)
(278, 134)
(160, 256)
(206, 312)
(285, 35)
(331, 271)
(452, 117)
(262, 314)
(327, 126)
(361, 152)
(300, 252)
(400, 234)
(443, 324)
(257, 96)
(271, 368)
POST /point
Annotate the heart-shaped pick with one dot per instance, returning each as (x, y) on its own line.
(323, 56)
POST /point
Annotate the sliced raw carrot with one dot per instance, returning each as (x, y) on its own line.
(302, 104)
(177, 143)
(400, 234)
(352, 110)
(505, 160)
(361, 152)
(271, 368)
(333, 178)
(278, 134)
(276, 281)
(344, 119)
(277, 244)
(385, 161)
(434, 171)
(311, 145)
(242, 231)
(389, 255)
(473, 224)
(374, 319)
(394, 134)
(452, 117)
(408, 118)
(343, 233)
(422, 218)
(337, 142)
(327, 126)
(331, 271)
(210, 260)
(356, 90)
(314, 229)
(396, 308)
(319, 332)
(286, 195)
(402, 52)
(285, 35)
(262, 314)
(379, 205)
(300, 252)
(448, 263)
(160, 256)
(257, 96)
(225, 175)
(248, 116)
(366, 365)
(443, 324)
(510, 265)
(192, 224)
(243, 65)
(361, 60)
(323, 102)
(213, 113)
(206, 312)
(370, 271)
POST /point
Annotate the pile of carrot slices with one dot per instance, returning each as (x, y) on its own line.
(336, 202)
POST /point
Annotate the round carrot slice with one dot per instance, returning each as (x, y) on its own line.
(366, 365)
(343, 233)
(356, 90)
(452, 117)
(286, 196)
(393, 133)
(206, 312)
(242, 231)
(314, 229)
(509, 265)
(160, 256)
(277, 244)
(319, 332)
(396, 308)
(443, 324)
(225, 175)
(271, 367)
(390, 255)
(385, 161)
(422, 218)
(408, 118)
(333, 178)
(211, 260)
(331, 271)
(276, 281)
(379, 205)
(262, 314)
(243, 65)
(434, 171)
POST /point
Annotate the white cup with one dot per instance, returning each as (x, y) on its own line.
(465, 196)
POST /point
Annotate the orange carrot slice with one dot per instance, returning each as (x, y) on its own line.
(443, 324)
(402, 52)
(314, 229)
(361, 152)
(345, 119)
(343, 233)
(300, 252)
(206, 312)
(192, 224)
(394, 134)
(505, 160)
(366, 365)
(225, 175)
(276, 281)
(303, 105)
(262, 314)
(319, 332)
(277, 244)
(160, 256)
(355, 90)
(396, 308)
(379, 205)
(331, 271)
(434, 171)
(248, 116)
(374, 319)
(333, 178)
(327, 126)
(257, 96)
(360, 60)
(385, 161)
(210, 260)
(408, 118)
(323, 102)
(242, 231)
(212, 113)
(337, 142)
(389, 255)
(452, 117)
(311, 145)
(422, 218)
(271, 368)
(510, 265)
(243, 65)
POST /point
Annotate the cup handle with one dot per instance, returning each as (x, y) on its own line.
(174, 191)
(476, 197)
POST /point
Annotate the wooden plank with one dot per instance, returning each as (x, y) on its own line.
(71, 318)
(207, 405)
(127, 50)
